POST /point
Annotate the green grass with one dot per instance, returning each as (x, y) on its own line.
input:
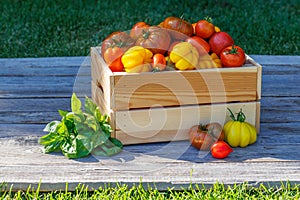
(218, 191)
(45, 28)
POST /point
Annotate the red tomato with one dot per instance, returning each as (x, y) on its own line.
(112, 57)
(155, 39)
(200, 44)
(138, 28)
(233, 56)
(219, 41)
(204, 28)
(220, 149)
(200, 138)
(159, 62)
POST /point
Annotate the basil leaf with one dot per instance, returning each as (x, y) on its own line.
(80, 133)
(51, 141)
(74, 149)
(116, 142)
(75, 104)
(103, 150)
(89, 106)
(62, 113)
(51, 127)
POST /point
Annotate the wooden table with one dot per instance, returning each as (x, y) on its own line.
(32, 90)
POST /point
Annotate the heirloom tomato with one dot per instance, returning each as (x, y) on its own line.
(220, 40)
(137, 29)
(178, 25)
(159, 62)
(220, 149)
(113, 47)
(200, 138)
(117, 39)
(200, 44)
(203, 136)
(137, 59)
(233, 56)
(185, 56)
(155, 39)
(112, 57)
(216, 130)
(205, 28)
(238, 132)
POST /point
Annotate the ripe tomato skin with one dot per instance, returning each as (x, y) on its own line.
(233, 56)
(201, 45)
(159, 62)
(220, 149)
(204, 29)
(154, 38)
(137, 29)
(112, 57)
(119, 39)
(216, 130)
(176, 24)
(220, 40)
(200, 139)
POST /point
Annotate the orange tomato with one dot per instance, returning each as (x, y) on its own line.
(112, 57)
(159, 62)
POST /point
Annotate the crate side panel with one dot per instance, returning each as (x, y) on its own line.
(185, 88)
(101, 81)
(172, 124)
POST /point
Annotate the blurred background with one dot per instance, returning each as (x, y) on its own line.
(48, 28)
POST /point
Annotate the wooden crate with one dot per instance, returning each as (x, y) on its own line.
(162, 106)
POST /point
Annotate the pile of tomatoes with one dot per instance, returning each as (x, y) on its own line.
(220, 140)
(174, 44)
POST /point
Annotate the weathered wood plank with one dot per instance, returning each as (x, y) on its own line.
(164, 167)
(44, 62)
(43, 110)
(21, 130)
(276, 59)
(28, 102)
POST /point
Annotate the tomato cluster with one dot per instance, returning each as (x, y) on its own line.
(220, 140)
(215, 48)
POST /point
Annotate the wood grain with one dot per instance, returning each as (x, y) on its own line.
(32, 90)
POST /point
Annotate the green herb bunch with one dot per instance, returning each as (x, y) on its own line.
(80, 133)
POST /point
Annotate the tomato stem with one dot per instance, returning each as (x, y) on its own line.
(234, 50)
(241, 117)
(202, 127)
(209, 19)
(146, 34)
(231, 114)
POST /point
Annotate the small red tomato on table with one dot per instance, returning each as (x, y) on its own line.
(220, 149)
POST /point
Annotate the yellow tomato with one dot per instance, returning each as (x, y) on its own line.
(209, 61)
(185, 56)
(137, 59)
(239, 133)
